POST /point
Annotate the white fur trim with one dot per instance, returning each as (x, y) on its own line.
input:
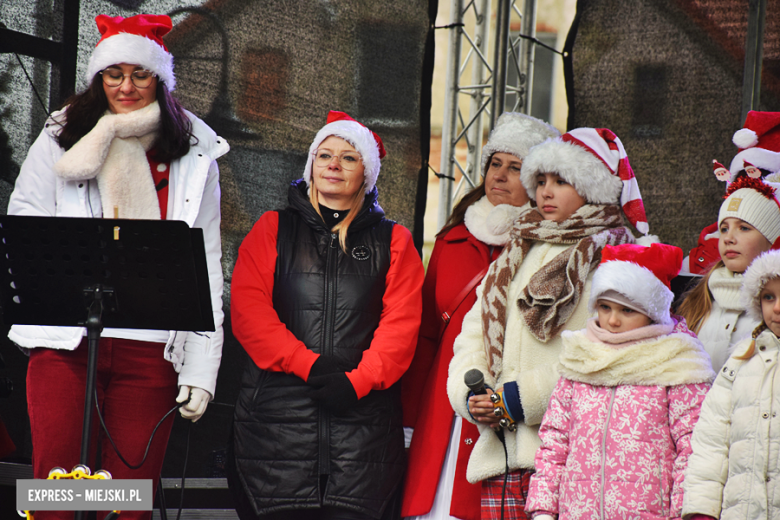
(636, 283)
(673, 359)
(577, 166)
(758, 157)
(491, 224)
(516, 134)
(135, 50)
(745, 138)
(358, 136)
(648, 240)
(764, 268)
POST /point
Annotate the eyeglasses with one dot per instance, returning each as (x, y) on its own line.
(114, 77)
(348, 160)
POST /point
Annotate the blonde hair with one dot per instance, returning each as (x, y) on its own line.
(750, 352)
(342, 227)
(697, 303)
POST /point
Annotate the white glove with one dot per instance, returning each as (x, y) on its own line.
(198, 401)
(544, 517)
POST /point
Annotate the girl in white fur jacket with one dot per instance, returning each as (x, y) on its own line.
(532, 292)
(734, 471)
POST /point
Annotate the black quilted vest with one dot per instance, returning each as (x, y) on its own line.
(284, 441)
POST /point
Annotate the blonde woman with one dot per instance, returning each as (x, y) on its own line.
(326, 300)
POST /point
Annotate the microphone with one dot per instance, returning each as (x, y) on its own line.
(475, 380)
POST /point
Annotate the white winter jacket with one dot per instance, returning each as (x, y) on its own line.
(727, 324)
(734, 471)
(194, 197)
(526, 360)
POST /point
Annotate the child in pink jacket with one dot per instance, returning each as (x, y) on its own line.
(617, 433)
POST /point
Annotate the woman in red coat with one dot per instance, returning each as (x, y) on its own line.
(436, 486)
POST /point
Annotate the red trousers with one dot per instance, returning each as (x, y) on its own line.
(136, 387)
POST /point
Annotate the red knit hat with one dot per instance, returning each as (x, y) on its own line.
(758, 142)
(642, 274)
(136, 40)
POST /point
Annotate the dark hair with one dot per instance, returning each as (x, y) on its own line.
(459, 211)
(84, 110)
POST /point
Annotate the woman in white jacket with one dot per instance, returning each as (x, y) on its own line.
(123, 143)
(734, 471)
(532, 292)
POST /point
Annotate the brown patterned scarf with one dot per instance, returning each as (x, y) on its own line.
(552, 293)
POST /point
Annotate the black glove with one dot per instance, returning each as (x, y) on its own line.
(334, 391)
(324, 365)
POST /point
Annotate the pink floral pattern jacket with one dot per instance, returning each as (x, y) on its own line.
(616, 436)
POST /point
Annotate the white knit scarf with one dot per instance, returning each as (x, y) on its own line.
(724, 286)
(114, 152)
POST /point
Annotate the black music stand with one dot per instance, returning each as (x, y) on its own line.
(85, 272)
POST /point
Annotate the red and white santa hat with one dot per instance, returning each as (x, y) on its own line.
(639, 277)
(367, 143)
(758, 142)
(594, 161)
(137, 41)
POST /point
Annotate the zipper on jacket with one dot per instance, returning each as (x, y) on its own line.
(604, 451)
(327, 347)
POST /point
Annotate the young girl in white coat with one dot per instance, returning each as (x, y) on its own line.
(749, 223)
(617, 433)
(734, 471)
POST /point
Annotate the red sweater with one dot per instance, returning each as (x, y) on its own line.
(273, 347)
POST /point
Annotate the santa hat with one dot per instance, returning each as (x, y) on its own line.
(594, 161)
(642, 275)
(758, 142)
(136, 40)
(755, 202)
(367, 143)
(516, 133)
(764, 268)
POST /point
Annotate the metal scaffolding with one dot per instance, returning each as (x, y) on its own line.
(487, 86)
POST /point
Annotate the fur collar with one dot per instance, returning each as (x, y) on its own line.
(724, 286)
(491, 224)
(114, 152)
(668, 360)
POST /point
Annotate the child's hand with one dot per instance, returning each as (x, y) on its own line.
(481, 408)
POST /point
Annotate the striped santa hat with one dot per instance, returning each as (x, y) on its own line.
(594, 161)
(136, 41)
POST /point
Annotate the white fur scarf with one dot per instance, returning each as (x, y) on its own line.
(114, 152)
(492, 224)
(668, 360)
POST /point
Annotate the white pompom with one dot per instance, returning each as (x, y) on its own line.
(745, 138)
(648, 240)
